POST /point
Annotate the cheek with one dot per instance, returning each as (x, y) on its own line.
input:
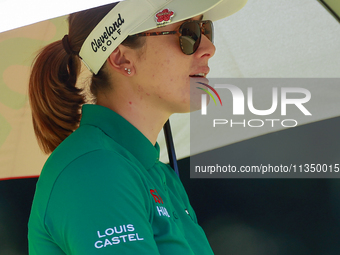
(167, 66)
(169, 71)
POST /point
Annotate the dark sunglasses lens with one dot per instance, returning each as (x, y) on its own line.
(191, 37)
(208, 30)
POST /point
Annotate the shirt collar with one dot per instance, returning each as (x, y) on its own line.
(122, 132)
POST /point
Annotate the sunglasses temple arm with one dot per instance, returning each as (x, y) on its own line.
(170, 146)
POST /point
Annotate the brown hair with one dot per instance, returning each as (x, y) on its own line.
(55, 100)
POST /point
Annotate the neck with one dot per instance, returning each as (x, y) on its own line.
(138, 108)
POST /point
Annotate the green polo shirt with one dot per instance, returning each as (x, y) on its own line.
(104, 191)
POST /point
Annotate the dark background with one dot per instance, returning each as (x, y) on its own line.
(240, 216)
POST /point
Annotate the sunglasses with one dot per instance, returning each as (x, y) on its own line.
(190, 34)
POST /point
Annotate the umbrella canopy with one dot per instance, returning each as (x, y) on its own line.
(333, 7)
(267, 39)
(30, 12)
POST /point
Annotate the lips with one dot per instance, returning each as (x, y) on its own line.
(200, 73)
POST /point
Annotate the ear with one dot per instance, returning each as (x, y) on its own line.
(121, 61)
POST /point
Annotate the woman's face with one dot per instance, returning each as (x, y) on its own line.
(164, 74)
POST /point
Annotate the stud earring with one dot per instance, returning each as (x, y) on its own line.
(128, 70)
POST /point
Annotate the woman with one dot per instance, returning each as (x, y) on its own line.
(103, 189)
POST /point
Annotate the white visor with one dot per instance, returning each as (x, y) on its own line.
(130, 17)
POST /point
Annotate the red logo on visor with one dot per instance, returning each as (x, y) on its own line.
(164, 16)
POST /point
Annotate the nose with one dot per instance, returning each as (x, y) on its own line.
(206, 48)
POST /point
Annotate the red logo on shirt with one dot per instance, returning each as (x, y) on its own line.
(156, 196)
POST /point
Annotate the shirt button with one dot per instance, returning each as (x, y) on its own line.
(165, 187)
(175, 215)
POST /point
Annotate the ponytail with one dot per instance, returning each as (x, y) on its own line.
(55, 100)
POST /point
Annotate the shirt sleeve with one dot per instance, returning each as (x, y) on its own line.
(99, 205)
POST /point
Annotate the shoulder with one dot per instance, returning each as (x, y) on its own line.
(89, 151)
(98, 190)
(98, 169)
(89, 174)
(102, 166)
(95, 182)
